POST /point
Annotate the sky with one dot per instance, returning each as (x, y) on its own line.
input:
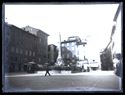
(91, 22)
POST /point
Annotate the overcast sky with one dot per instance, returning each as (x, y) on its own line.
(91, 22)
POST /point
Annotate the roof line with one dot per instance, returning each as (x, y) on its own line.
(37, 29)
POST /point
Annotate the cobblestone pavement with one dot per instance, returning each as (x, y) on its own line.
(64, 81)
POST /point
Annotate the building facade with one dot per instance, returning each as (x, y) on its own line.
(115, 43)
(70, 51)
(22, 47)
(42, 43)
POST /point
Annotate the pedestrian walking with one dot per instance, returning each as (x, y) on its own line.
(47, 70)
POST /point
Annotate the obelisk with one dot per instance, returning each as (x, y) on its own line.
(59, 59)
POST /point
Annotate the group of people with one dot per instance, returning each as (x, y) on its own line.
(119, 65)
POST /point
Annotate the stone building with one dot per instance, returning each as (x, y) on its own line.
(21, 46)
(42, 43)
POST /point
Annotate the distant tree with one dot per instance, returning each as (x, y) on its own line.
(68, 57)
(52, 54)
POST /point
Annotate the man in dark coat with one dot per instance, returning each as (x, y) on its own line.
(47, 70)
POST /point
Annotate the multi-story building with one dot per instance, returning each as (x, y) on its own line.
(70, 52)
(21, 46)
(42, 43)
(115, 43)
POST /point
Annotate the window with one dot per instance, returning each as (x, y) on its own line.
(12, 49)
(67, 44)
(30, 53)
(26, 52)
(62, 45)
(72, 48)
(21, 51)
(31, 29)
(73, 43)
(39, 59)
(33, 53)
(40, 40)
(67, 48)
(17, 50)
